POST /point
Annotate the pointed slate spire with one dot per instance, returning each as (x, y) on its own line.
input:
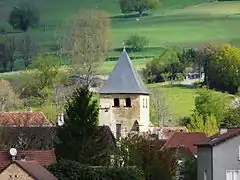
(124, 79)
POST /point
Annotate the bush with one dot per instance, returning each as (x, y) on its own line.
(154, 72)
(158, 71)
(70, 170)
(136, 42)
(189, 171)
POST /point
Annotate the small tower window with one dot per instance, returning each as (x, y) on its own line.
(146, 103)
(143, 103)
(128, 102)
(116, 102)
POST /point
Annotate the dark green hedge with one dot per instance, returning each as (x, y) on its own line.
(70, 170)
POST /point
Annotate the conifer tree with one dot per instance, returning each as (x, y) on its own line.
(80, 123)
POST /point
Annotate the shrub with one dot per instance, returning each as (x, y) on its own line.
(158, 71)
(154, 71)
(189, 171)
(136, 42)
(71, 170)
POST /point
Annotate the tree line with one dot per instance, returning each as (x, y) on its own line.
(220, 64)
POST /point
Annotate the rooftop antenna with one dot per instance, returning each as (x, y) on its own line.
(13, 153)
(60, 119)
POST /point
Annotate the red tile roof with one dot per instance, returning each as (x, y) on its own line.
(23, 119)
(187, 140)
(44, 157)
(219, 138)
(35, 170)
(167, 132)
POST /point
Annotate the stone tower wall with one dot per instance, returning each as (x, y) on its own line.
(126, 116)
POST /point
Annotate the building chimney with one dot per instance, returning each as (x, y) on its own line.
(23, 158)
(223, 129)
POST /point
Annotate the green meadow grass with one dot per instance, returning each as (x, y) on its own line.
(174, 23)
(180, 99)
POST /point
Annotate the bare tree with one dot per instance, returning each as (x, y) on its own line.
(27, 49)
(7, 51)
(7, 95)
(89, 37)
(62, 40)
(159, 107)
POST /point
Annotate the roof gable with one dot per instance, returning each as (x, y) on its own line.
(187, 140)
(124, 79)
(35, 170)
(44, 157)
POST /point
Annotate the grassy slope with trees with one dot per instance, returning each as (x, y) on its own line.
(174, 23)
(171, 24)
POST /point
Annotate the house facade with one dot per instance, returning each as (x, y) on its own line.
(26, 170)
(124, 100)
(219, 156)
(13, 171)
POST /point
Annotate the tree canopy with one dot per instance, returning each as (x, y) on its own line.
(23, 16)
(80, 123)
(88, 42)
(129, 6)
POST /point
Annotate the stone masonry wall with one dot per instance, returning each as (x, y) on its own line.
(122, 115)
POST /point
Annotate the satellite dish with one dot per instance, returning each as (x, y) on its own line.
(13, 151)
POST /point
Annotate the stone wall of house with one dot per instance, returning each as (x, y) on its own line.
(15, 172)
(126, 116)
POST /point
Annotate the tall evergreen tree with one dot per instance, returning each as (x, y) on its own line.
(80, 124)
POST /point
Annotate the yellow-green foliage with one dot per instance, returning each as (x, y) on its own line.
(222, 67)
(198, 123)
(50, 111)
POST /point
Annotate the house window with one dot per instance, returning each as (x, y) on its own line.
(116, 102)
(146, 103)
(143, 103)
(233, 175)
(205, 175)
(118, 131)
(128, 102)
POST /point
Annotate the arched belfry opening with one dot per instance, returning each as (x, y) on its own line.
(135, 126)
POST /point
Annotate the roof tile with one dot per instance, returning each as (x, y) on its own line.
(186, 140)
(36, 170)
(23, 119)
(219, 138)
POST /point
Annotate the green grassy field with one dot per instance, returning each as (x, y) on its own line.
(174, 23)
(179, 99)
